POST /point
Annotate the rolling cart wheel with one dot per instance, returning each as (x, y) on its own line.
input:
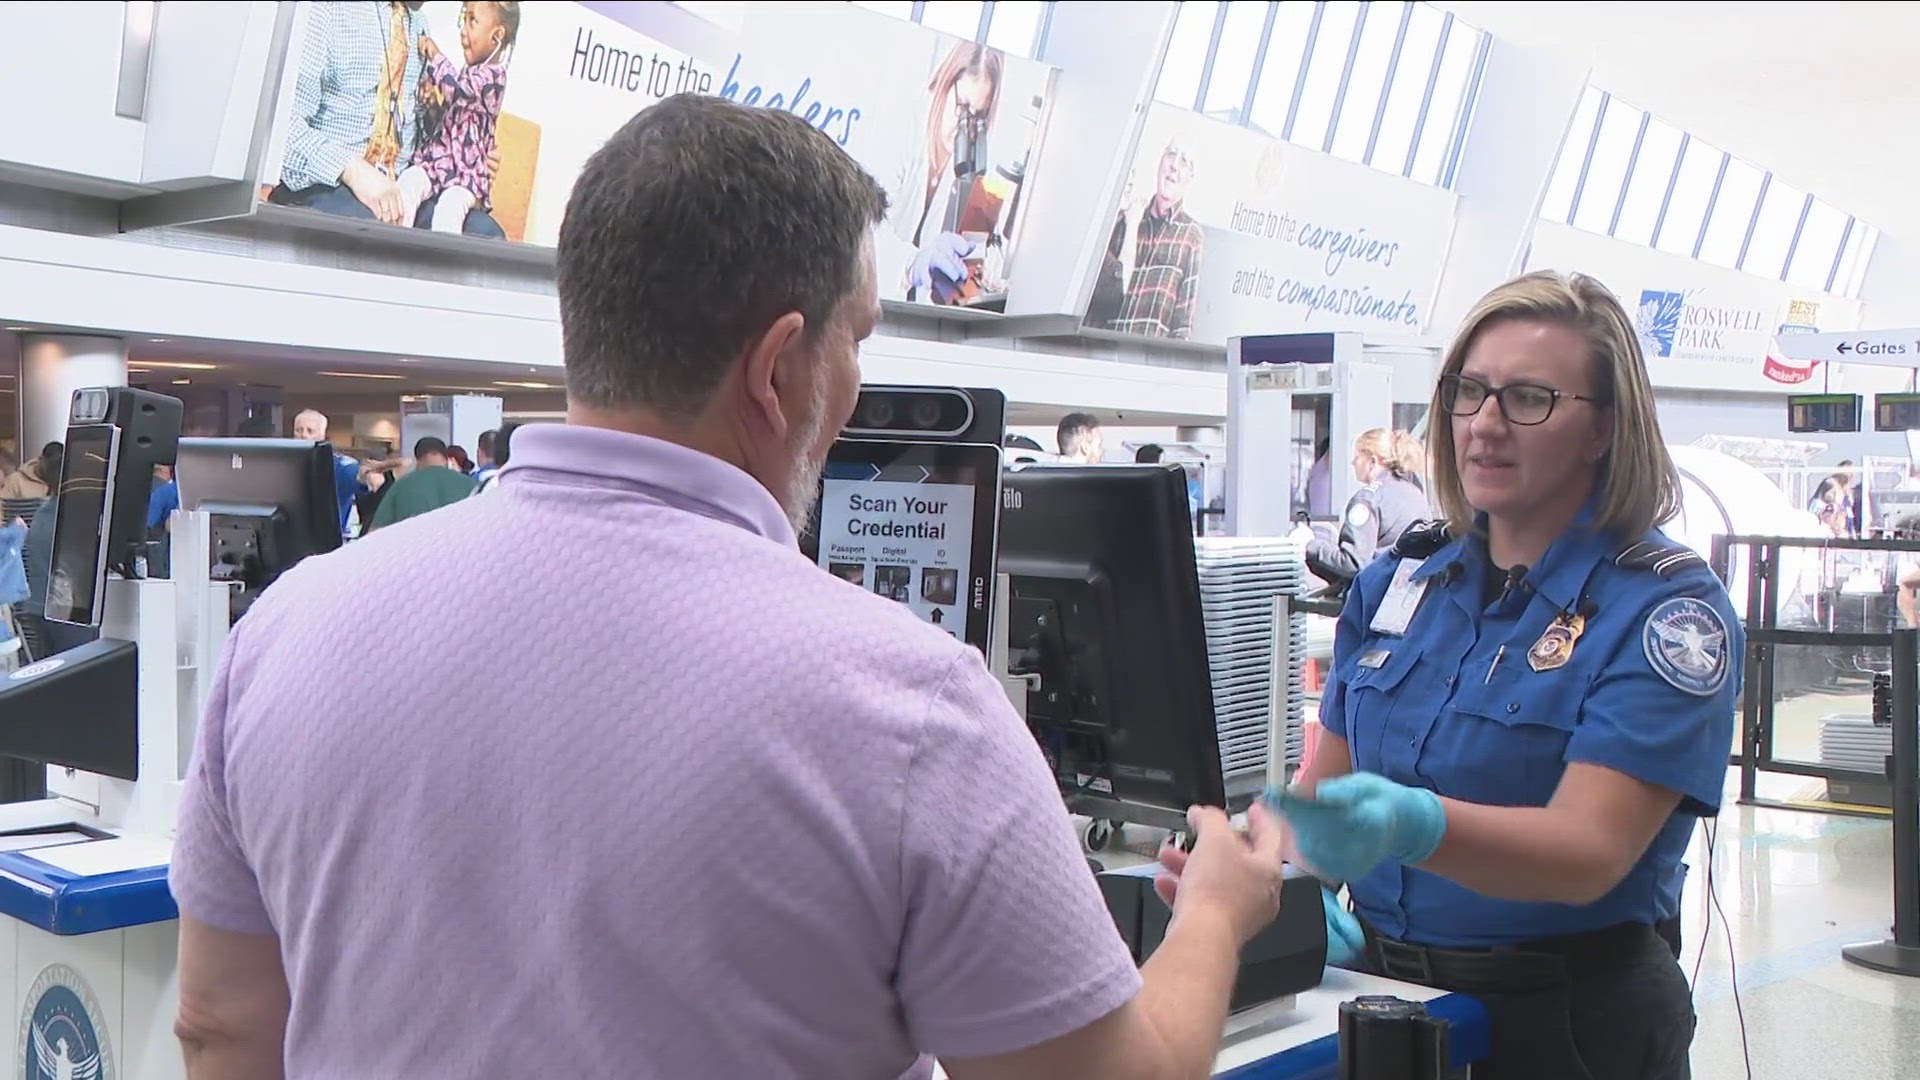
(1099, 834)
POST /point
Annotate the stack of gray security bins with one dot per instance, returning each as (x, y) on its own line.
(1857, 744)
(1258, 679)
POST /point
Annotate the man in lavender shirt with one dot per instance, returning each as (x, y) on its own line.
(715, 812)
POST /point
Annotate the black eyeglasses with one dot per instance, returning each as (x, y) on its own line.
(1521, 403)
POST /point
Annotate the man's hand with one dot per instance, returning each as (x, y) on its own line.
(1353, 823)
(1232, 876)
(376, 190)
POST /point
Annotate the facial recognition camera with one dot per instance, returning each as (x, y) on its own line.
(929, 414)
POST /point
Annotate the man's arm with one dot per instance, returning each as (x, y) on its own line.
(233, 1003)
(1172, 1028)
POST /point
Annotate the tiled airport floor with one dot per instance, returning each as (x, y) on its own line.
(1795, 886)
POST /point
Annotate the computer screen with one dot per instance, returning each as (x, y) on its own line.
(1106, 611)
(272, 502)
(913, 522)
(76, 582)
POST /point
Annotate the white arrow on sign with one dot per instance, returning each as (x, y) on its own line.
(1895, 348)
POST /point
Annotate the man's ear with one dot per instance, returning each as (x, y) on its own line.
(771, 370)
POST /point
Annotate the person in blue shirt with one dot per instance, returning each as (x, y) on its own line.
(164, 499)
(311, 425)
(1530, 706)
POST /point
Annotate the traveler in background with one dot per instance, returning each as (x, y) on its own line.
(502, 450)
(484, 463)
(311, 426)
(459, 462)
(1387, 464)
(909, 885)
(36, 478)
(1080, 440)
(1835, 503)
(431, 485)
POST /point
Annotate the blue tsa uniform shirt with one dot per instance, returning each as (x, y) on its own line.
(1485, 690)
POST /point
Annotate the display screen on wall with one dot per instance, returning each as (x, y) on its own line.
(1896, 412)
(1223, 231)
(476, 118)
(1823, 412)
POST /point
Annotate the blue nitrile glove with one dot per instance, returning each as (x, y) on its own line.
(1355, 822)
(946, 253)
(1346, 942)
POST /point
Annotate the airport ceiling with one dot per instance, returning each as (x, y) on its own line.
(1822, 94)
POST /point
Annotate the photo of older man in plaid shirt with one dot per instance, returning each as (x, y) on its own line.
(1166, 260)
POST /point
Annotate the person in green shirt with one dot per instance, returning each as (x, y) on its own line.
(430, 486)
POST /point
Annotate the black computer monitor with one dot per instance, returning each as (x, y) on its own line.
(272, 502)
(1105, 609)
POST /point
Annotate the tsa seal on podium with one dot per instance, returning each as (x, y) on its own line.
(60, 1029)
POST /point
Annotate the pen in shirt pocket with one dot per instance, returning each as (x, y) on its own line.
(1495, 666)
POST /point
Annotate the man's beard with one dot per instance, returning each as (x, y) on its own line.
(802, 497)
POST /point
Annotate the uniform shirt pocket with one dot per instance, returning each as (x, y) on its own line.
(1381, 700)
(1504, 742)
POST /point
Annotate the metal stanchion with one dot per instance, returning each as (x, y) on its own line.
(1901, 954)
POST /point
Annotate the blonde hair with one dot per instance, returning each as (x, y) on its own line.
(1398, 451)
(1637, 484)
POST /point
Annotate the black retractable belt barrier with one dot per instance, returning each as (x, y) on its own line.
(1387, 1038)
(1900, 955)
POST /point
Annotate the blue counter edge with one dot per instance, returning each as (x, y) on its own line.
(68, 904)
(1467, 1042)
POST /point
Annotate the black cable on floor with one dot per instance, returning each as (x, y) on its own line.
(1733, 966)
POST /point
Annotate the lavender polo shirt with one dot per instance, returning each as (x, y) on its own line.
(620, 784)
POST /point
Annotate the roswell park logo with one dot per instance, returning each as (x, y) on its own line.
(60, 1029)
(1672, 323)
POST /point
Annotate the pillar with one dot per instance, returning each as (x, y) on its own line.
(52, 367)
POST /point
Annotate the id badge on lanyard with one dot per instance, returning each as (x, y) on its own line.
(1395, 613)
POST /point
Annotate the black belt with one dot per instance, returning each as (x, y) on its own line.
(1531, 965)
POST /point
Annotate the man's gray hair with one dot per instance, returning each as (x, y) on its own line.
(696, 226)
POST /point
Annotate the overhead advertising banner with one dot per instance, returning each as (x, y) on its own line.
(1223, 231)
(1703, 326)
(476, 118)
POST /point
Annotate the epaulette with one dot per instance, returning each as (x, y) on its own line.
(1421, 539)
(1663, 559)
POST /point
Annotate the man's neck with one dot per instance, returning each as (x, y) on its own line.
(1165, 207)
(637, 422)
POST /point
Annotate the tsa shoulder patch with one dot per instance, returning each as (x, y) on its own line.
(1686, 642)
(1357, 514)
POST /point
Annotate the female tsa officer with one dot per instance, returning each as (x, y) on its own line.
(1531, 704)
(1387, 464)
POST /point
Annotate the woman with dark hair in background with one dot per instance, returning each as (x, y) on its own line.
(458, 460)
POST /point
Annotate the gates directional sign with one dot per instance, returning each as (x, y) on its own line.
(1894, 348)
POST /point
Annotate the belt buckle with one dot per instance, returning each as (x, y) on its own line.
(1408, 963)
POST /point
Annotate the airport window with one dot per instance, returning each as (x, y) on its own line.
(1632, 176)
(1782, 209)
(1814, 253)
(1606, 170)
(1187, 51)
(1014, 26)
(1389, 84)
(1639, 212)
(1240, 27)
(1400, 116)
(1686, 212)
(961, 18)
(1734, 203)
